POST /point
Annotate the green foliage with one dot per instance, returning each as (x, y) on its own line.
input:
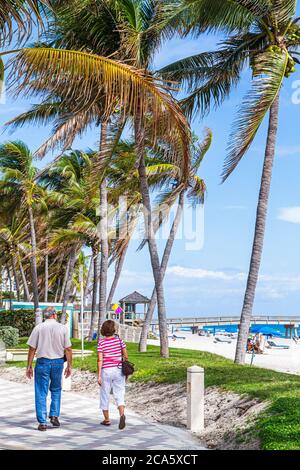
(9, 336)
(278, 428)
(5, 294)
(23, 320)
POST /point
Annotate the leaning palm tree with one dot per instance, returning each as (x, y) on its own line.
(194, 189)
(93, 87)
(265, 37)
(18, 182)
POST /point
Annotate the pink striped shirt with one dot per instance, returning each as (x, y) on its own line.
(111, 350)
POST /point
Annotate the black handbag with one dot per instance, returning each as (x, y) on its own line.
(126, 366)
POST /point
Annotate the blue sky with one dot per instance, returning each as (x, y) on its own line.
(211, 280)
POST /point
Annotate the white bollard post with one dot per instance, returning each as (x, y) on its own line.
(66, 383)
(195, 398)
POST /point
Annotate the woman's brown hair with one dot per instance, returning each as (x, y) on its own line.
(108, 328)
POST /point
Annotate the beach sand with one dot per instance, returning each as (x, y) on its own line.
(282, 360)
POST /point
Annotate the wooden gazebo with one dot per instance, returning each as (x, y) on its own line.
(129, 304)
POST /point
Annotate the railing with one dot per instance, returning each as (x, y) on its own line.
(229, 320)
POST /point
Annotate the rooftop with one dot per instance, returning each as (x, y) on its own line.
(135, 298)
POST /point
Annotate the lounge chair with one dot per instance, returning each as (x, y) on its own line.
(278, 346)
(219, 340)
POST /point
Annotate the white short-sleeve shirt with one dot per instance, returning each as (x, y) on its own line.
(50, 339)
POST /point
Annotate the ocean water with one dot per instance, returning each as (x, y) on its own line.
(280, 330)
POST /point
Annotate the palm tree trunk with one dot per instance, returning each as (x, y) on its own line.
(119, 267)
(57, 290)
(68, 288)
(163, 267)
(33, 262)
(66, 276)
(257, 248)
(10, 287)
(103, 236)
(16, 277)
(24, 281)
(150, 236)
(89, 278)
(94, 316)
(46, 274)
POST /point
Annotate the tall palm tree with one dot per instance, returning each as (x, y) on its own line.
(73, 196)
(88, 89)
(13, 235)
(194, 188)
(18, 181)
(265, 37)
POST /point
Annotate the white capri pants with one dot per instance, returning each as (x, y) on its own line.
(112, 379)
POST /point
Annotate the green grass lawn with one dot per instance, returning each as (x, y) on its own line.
(278, 428)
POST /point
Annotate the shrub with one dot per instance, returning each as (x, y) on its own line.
(9, 336)
(22, 319)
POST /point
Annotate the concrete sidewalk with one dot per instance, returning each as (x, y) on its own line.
(80, 426)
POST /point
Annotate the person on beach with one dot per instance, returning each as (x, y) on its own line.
(111, 350)
(49, 341)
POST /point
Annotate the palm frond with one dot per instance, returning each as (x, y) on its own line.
(39, 114)
(283, 12)
(22, 14)
(220, 15)
(202, 149)
(269, 70)
(86, 78)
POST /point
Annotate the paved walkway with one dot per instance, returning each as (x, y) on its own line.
(80, 426)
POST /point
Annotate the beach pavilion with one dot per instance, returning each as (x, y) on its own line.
(130, 303)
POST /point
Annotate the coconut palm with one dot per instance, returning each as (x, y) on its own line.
(194, 188)
(16, 20)
(73, 197)
(13, 235)
(265, 37)
(18, 182)
(88, 89)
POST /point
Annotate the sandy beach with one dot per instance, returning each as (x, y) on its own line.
(283, 360)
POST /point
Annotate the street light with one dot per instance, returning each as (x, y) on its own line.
(81, 309)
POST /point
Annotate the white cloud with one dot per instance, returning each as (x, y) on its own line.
(289, 214)
(287, 150)
(200, 273)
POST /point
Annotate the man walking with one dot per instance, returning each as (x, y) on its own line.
(49, 340)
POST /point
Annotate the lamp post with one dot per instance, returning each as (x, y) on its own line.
(81, 310)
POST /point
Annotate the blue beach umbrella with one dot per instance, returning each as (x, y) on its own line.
(231, 329)
(265, 330)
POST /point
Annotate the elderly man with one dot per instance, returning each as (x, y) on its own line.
(49, 340)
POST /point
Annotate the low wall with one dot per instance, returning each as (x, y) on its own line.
(128, 333)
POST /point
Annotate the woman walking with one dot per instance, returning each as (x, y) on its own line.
(111, 351)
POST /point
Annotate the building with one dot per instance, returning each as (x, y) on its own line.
(130, 304)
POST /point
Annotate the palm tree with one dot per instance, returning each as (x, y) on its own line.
(88, 89)
(195, 189)
(13, 235)
(16, 20)
(265, 37)
(73, 197)
(18, 182)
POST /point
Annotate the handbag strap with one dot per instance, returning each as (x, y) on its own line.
(120, 347)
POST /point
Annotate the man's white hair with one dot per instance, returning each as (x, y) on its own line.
(49, 312)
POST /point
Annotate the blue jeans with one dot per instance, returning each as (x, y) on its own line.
(47, 375)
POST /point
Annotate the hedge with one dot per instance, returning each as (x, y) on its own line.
(22, 319)
(9, 336)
